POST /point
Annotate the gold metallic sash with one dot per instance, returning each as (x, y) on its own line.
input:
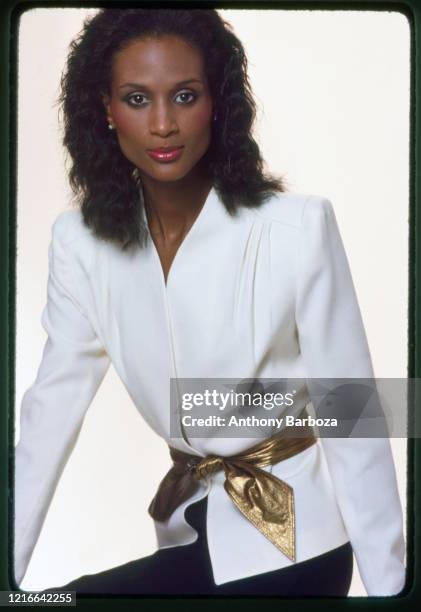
(265, 500)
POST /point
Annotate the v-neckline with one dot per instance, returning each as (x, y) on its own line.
(192, 230)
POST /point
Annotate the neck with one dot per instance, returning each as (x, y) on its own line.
(171, 208)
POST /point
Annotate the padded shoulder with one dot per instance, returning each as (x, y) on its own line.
(289, 208)
(69, 226)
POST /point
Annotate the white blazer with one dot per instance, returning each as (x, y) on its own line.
(264, 294)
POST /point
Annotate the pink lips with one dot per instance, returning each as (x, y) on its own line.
(165, 154)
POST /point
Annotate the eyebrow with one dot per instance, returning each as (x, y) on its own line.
(145, 87)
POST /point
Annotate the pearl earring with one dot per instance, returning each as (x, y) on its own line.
(110, 126)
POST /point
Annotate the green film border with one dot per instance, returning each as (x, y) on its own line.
(10, 10)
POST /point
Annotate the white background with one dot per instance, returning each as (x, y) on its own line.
(333, 95)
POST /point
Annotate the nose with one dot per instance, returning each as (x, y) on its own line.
(162, 120)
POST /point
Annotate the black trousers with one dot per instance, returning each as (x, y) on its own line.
(186, 570)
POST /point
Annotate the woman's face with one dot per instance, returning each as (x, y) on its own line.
(160, 106)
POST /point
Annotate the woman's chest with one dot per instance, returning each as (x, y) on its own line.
(227, 303)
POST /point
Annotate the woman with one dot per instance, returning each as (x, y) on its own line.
(186, 260)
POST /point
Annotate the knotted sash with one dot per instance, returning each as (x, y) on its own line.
(265, 500)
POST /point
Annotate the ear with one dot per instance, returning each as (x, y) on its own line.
(106, 102)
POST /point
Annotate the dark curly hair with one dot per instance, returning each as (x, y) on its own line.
(106, 184)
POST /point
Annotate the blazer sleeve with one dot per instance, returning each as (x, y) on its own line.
(72, 367)
(333, 344)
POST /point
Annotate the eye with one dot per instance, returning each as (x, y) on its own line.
(136, 99)
(185, 97)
